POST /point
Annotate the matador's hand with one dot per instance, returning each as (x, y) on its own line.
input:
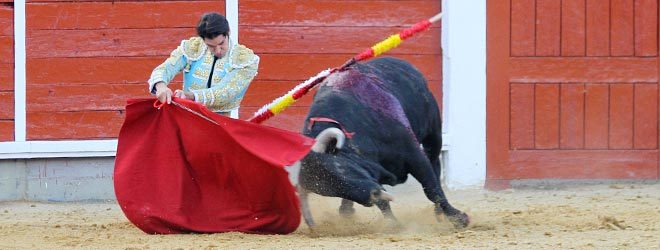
(163, 93)
(184, 95)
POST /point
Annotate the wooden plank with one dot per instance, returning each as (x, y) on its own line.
(573, 27)
(598, 28)
(571, 129)
(646, 116)
(522, 116)
(621, 116)
(548, 27)
(646, 27)
(301, 67)
(348, 40)
(6, 49)
(596, 109)
(119, 15)
(6, 76)
(261, 93)
(130, 42)
(579, 70)
(67, 98)
(47, 1)
(333, 13)
(92, 70)
(498, 35)
(73, 125)
(6, 20)
(523, 27)
(104, 43)
(6, 130)
(6, 105)
(583, 164)
(546, 116)
(622, 33)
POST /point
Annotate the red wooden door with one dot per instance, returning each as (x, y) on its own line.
(572, 90)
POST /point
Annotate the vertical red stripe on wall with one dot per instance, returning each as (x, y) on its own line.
(548, 26)
(596, 109)
(646, 116)
(572, 116)
(622, 33)
(621, 116)
(646, 28)
(6, 73)
(523, 21)
(546, 116)
(573, 28)
(598, 28)
(522, 116)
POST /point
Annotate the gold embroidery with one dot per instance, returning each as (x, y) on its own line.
(242, 56)
(202, 73)
(194, 48)
(196, 86)
(208, 59)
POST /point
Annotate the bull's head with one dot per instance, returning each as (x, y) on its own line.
(330, 170)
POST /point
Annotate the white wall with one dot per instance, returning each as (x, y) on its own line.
(464, 93)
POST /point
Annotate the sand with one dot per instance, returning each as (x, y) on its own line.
(604, 216)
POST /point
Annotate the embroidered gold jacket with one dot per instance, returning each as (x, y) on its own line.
(232, 73)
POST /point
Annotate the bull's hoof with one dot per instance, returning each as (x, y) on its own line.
(460, 220)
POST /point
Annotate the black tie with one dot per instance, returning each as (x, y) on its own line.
(208, 84)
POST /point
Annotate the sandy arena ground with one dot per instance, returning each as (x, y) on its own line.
(606, 216)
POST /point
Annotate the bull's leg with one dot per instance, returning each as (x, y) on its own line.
(422, 170)
(385, 208)
(346, 209)
(432, 148)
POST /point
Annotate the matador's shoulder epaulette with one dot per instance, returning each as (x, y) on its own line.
(242, 56)
(194, 48)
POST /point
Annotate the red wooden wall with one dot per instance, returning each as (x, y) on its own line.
(84, 59)
(572, 89)
(6, 71)
(297, 39)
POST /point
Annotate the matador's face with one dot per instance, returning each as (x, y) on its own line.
(218, 45)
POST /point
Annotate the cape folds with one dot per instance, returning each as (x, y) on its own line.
(183, 168)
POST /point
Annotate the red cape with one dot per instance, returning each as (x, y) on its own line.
(177, 172)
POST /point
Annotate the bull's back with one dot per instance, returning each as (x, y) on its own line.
(372, 93)
(409, 86)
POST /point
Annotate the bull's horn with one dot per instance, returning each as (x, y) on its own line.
(324, 138)
(304, 206)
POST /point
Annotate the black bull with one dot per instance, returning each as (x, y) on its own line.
(388, 109)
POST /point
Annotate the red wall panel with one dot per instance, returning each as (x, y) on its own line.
(85, 58)
(6, 72)
(296, 39)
